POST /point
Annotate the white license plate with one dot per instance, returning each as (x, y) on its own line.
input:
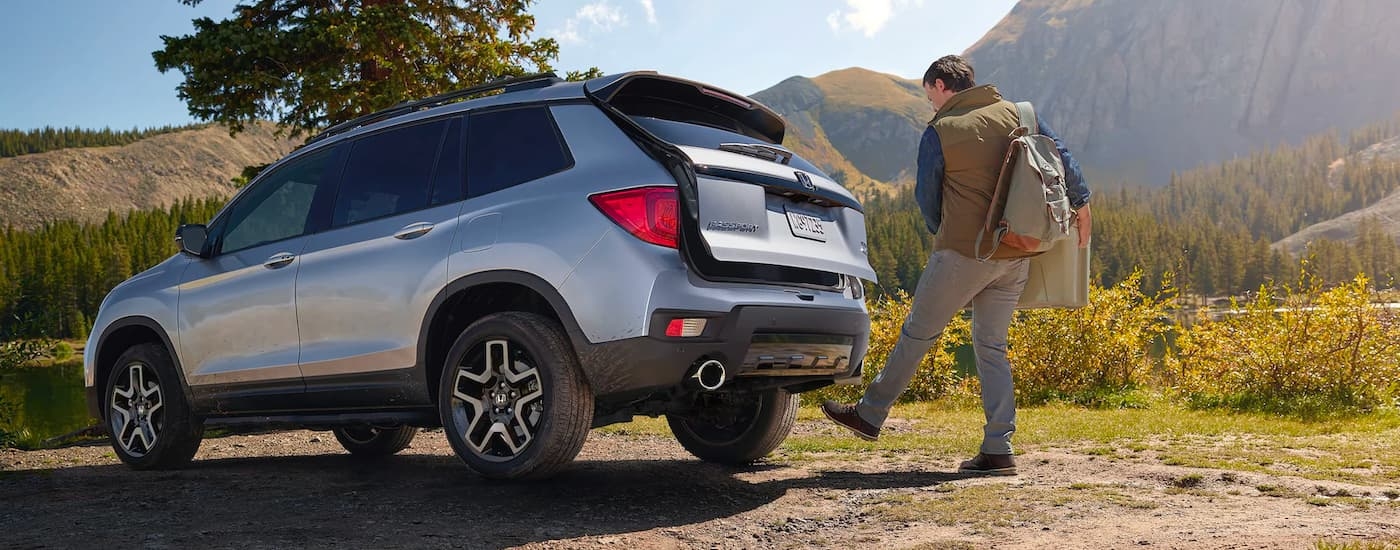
(807, 227)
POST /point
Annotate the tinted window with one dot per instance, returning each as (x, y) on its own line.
(388, 173)
(447, 180)
(278, 206)
(506, 148)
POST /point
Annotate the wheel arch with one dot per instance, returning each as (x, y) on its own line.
(119, 336)
(472, 297)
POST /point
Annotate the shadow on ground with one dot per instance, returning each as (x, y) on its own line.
(409, 500)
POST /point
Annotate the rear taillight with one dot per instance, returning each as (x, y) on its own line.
(648, 213)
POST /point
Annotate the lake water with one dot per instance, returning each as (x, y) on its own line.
(39, 403)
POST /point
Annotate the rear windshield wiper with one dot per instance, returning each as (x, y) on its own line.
(757, 150)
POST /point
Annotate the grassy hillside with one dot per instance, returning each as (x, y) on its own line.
(1384, 214)
(84, 184)
(859, 125)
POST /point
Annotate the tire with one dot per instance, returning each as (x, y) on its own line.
(523, 418)
(735, 429)
(371, 442)
(148, 418)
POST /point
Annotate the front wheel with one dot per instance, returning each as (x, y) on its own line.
(730, 428)
(150, 423)
(513, 400)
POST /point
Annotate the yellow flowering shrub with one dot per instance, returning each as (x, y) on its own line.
(935, 377)
(1304, 351)
(1097, 355)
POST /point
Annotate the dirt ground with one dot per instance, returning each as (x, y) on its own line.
(299, 489)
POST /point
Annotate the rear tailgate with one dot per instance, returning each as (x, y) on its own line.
(755, 211)
(775, 219)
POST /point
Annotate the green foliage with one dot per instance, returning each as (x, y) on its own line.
(308, 64)
(52, 279)
(61, 351)
(935, 377)
(1095, 355)
(25, 142)
(18, 353)
(1305, 351)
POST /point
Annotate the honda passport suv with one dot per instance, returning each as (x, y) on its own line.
(517, 263)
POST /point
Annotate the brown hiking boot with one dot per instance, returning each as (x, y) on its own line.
(989, 465)
(846, 416)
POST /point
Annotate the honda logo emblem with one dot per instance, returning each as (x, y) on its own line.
(806, 181)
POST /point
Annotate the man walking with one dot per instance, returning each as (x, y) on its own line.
(960, 159)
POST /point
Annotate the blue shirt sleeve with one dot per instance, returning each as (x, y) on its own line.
(928, 182)
(1074, 177)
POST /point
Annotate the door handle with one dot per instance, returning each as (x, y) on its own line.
(413, 231)
(279, 260)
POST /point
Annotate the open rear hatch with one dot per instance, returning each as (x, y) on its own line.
(750, 209)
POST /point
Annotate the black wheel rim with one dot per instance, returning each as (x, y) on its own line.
(723, 418)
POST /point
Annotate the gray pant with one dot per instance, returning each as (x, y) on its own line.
(950, 282)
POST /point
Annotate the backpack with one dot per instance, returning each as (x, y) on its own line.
(1037, 212)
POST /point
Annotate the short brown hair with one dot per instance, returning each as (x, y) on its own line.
(955, 72)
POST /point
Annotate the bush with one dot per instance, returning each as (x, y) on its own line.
(62, 351)
(935, 377)
(18, 353)
(1095, 355)
(1320, 352)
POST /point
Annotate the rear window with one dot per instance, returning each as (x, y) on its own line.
(510, 147)
(388, 173)
(695, 135)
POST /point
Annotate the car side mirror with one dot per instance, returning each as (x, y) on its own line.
(192, 238)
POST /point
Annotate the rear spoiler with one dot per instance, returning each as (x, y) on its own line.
(646, 93)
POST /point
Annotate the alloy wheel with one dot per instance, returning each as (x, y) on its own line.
(497, 399)
(137, 410)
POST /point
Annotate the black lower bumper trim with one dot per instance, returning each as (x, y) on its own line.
(656, 362)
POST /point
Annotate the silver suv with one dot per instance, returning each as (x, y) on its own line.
(517, 263)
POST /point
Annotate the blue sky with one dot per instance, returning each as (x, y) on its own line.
(88, 62)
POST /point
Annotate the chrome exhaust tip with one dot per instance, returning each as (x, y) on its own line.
(709, 376)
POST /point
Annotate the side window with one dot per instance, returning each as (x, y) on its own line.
(388, 173)
(447, 179)
(277, 207)
(510, 147)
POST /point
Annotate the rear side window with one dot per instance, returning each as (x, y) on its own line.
(388, 173)
(510, 147)
(447, 179)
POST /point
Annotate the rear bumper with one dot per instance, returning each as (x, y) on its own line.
(797, 344)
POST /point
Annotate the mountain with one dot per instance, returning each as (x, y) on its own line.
(1139, 89)
(1346, 228)
(86, 183)
(856, 124)
(1143, 88)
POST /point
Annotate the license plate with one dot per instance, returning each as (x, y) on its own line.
(807, 227)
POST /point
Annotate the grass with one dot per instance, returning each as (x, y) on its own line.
(1362, 449)
(1357, 449)
(981, 506)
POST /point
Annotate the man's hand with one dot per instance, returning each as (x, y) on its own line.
(1082, 220)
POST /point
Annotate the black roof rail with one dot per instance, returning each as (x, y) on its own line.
(508, 84)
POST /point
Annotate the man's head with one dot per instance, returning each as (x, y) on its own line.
(947, 76)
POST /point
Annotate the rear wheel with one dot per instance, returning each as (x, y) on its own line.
(368, 441)
(735, 428)
(147, 416)
(513, 400)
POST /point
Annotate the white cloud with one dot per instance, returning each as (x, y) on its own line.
(867, 16)
(599, 16)
(651, 11)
